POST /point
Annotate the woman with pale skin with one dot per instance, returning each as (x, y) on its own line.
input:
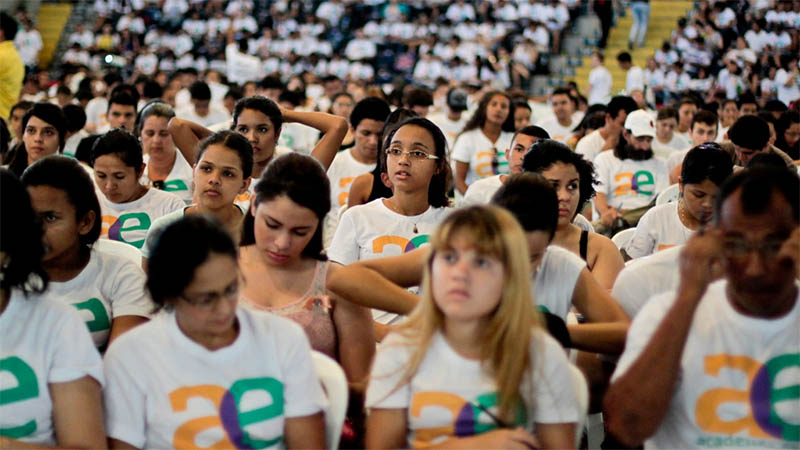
(284, 271)
(479, 148)
(44, 130)
(224, 159)
(476, 304)
(341, 106)
(52, 373)
(573, 179)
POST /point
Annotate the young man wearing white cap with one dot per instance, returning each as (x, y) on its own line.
(630, 176)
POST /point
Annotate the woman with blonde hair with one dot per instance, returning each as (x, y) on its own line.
(476, 305)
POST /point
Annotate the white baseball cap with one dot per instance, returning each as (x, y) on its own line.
(641, 123)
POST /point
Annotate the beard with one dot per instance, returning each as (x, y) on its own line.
(626, 151)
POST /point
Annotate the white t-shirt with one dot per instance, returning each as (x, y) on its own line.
(736, 375)
(42, 341)
(166, 391)
(634, 80)
(481, 191)
(241, 67)
(449, 127)
(600, 79)
(128, 222)
(557, 131)
(180, 180)
(590, 145)
(108, 287)
(676, 158)
(628, 182)
(677, 142)
(474, 148)
(786, 94)
(374, 231)
(449, 395)
(342, 172)
(554, 281)
(298, 137)
(643, 278)
(216, 114)
(658, 229)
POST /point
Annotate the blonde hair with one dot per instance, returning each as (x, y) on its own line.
(494, 232)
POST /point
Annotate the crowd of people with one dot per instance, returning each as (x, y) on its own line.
(180, 245)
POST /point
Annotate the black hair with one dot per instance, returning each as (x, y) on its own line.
(155, 107)
(120, 143)
(775, 105)
(295, 98)
(303, 180)
(706, 162)
(565, 91)
(152, 89)
(261, 104)
(787, 119)
(67, 175)
(76, 117)
(234, 141)
(590, 121)
(123, 98)
(687, 100)
(380, 190)
(532, 201)
(545, 153)
(705, 117)
(5, 138)
(766, 159)
(372, 108)
(757, 186)
(9, 26)
(441, 179)
(24, 104)
(234, 92)
(179, 250)
(533, 131)
(199, 90)
(621, 103)
(20, 238)
(47, 112)
(479, 116)
(521, 103)
(418, 96)
(272, 82)
(624, 57)
(667, 112)
(749, 132)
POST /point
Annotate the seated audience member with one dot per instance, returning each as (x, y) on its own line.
(478, 258)
(704, 169)
(630, 176)
(788, 134)
(166, 168)
(752, 313)
(76, 120)
(642, 278)
(415, 157)
(750, 136)
(221, 174)
(128, 207)
(52, 372)
(121, 112)
(479, 151)
(559, 126)
(703, 129)
(204, 345)
(200, 110)
(108, 289)
(573, 179)
(607, 137)
(666, 140)
(559, 279)
(44, 131)
(728, 112)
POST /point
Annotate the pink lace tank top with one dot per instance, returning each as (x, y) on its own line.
(312, 311)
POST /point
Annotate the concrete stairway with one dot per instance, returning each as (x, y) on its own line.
(50, 22)
(664, 15)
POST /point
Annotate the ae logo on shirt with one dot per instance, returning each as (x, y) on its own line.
(770, 401)
(24, 388)
(406, 244)
(115, 227)
(235, 412)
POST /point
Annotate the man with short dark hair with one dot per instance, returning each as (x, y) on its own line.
(703, 129)
(560, 125)
(201, 110)
(419, 100)
(121, 111)
(634, 75)
(750, 135)
(606, 137)
(715, 363)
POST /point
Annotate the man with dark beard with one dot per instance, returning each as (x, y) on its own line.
(630, 176)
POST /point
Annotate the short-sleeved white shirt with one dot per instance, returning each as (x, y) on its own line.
(658, 229)
(129, 222)
(677, 142)
(342, 172)
(42, 341)
(554, 282)
(180, 180)
(590, 145)
(600, 79)
(628, 182)
(474, 148)
(481, 191)
(167, 391)
(448, 395)
(108, 287)
(557, 131)
(735, 375)
(643, 278)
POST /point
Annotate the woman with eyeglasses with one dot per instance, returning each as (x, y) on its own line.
(224, 161)
(446, 377)
(704, 170)
(129, 207)
(415, 158)
(166, 168)
(479, 151)
(52, 375)
(206, 372)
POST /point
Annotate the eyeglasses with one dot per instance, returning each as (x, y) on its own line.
(208, 299)
(417, 155)
(740, 248)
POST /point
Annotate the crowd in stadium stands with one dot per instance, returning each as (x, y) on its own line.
(213, 205)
